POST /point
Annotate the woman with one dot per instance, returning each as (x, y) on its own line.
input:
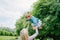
(25, 36)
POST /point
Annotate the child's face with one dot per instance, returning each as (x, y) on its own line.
(28, 16)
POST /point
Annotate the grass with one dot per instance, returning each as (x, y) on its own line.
(14, 38)
(7, 38)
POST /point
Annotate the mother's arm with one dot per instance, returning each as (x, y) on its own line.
(34, 35)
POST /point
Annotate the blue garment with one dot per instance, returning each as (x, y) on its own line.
(34, 20)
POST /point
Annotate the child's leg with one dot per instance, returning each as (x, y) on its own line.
(39, 24)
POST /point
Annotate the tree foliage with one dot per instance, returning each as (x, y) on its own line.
(49, 12)
(7, 32)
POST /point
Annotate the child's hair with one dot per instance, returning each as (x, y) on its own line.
(24, 34)
(28, 14)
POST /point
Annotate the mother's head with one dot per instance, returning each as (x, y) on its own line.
(24, 34)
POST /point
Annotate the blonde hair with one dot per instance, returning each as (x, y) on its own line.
(24, 34)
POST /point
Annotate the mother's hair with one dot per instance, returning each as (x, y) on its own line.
(24, 34)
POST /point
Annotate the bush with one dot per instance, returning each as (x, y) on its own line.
(49, 12)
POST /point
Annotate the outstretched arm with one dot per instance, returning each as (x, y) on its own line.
(34, 35)
(28, 25)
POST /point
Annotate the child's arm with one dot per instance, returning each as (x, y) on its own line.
(28, 25)
(24, 22)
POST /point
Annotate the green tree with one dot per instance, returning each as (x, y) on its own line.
(49, 12)
(7, 32)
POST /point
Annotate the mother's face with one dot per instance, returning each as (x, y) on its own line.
(24, 31)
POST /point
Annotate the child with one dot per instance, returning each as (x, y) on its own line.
(35, 21)
(25, 36)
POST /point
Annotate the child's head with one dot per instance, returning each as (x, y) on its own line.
(28, 15)
(24, 34)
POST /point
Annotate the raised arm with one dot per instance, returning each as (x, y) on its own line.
(28, 25)
(34, 35)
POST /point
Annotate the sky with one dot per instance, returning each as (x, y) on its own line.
(12, 10)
